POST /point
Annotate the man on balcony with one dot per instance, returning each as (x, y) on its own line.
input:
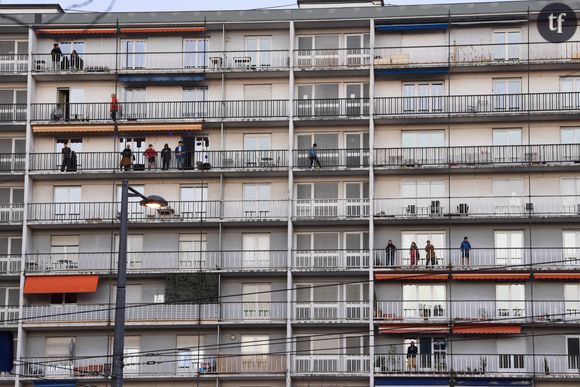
(465, 248)
(412, 351)
(390, 251)
(313, 156)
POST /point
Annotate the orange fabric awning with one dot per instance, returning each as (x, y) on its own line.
(492, 276)
(61, 284)
(112, 31)
(557, 276)
(411, 328)
(107, 128)
(478, 329)
(411, 277)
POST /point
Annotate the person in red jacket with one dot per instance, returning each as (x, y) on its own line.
(114, 107)
(151, 155)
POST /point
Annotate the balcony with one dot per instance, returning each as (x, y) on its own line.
(524, 258)
(183, 365)
(489, 156)
(11, 163)
(135, 313)
(321, 209)
(9, 315)
(95, 213)
(472, 311)
(330, 260)
(270, 110)
(331, 364)
(158, 261)
(479, 365)
(333, 158)
(10, 264)
(143, 62)
(253, 312)
(334, 58)
(332, 108)
(11, 214)
(490, 105)
(13, 112)
(469, 208)
(13, 63)
(345, 311)
(223, 161)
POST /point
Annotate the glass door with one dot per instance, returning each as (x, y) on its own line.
(256, 301)
(195, 53)
(507, 94)
(192, 251)
(134, 53)
(193, 202)
(509, 248)
(259, 50)
(510, 300)
(357, 150)
(256, 251)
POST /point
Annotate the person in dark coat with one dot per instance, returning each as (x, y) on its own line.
(56, 55)
(165, 157)
(391, 252)
(465, 248)
(126, 158)
(412, 351)
(72, 167)
(65, 158)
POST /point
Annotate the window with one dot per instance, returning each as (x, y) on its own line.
(10, 247)
(60, 349)
(257, 92)
(437, 239)
(327, 144)
(320, 99)
(512, 136)
(194, 102)
(135, 252)
(573, 350)
(570, 135)
(257, 199)
(255, 349)
(571, 194)
(509, 248)
(505, 149)
(318, 50)
(506, 45)
(571, 301)
(67, 202)
(12, 154)
(510, 300)
(356, 195)
(422, 197)
(357, 149)
(317, 301)
(357, 102)
(134, 53)
(256, 300)
(423, 138)
(256, 250)
(195, 53)
(424, 301)
(317, 199)
(13, 55)
(190, 353)
(508, 195)
(75, 144)
(357, 53)
(423, 97)
(571, 247)
(259, 49)
(12, 105)
(63, 298)
(507, 93)
(134, 103)
(356, 245)
(131, 353)
(64, 252)
(355, 298)
(193, 201)
(192, 250)
(11, 204)
(511, 353)
(9, 300)
(317, 250)
(431, 356)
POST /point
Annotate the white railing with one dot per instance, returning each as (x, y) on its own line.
(11, 213)
(330, 311)
(33, 314)
(9, 315)
(331, 364)
(337, 57)
(10, 264)
(253, 311)
(17, 63)
(330, 259)
(256, 210)
(331, 208)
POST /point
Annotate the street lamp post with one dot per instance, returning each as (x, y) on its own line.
(152, 201)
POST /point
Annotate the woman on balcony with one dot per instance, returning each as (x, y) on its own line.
(414, 255)
(126, 158)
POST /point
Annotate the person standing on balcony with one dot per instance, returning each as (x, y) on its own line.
(114, 107)
(430, 257)
(75, 60)
(56, 55)
(180, 155)
(313, 156)
(412, 351)
(390, 251)
(165, 157)
(465, 247)
(414, 254)
(65, 159)
(151, 155)
(126, 158)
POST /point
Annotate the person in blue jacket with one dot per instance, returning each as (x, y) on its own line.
(465, 247)
(313, 156)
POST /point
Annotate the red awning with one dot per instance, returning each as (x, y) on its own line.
(482, 329)
(411, 277)
(557, 276)
(61, 284)
(492, 276)
(413, 328)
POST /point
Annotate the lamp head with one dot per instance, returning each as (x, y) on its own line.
(154, 201)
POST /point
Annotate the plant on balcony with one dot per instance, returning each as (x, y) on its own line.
(546, 366)
(192, 288)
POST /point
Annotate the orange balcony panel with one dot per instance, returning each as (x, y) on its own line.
(61, 284)
(482, 329)
(557, 276)
(492, 276)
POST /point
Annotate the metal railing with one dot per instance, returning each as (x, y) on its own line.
(470, 156)
(333, 57)
(332, 108)
(331, 208)
(13, 63)
(481, 206)
(10, 264)
(11, 213)
(207, 160)
(338, 158)
(271, 109)
(524, 258)
(79, 313)
(331, 364)
(9, 315)
(331, 311)
(12, 162)
(12, 112)
(253, 311)
(483, 104)
(330, 259)
(159, 261)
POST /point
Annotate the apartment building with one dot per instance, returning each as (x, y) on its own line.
(432, 123)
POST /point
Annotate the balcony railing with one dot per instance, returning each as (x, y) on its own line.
(12, 112)
(208, 160)
(491, 206)
(10, 264)
(524, 258)
(13, 63)
(470, 105)
(331, 311)
(176, 211)
(158, 261)
(9, 315)
(152, 111)
(11, 213)
(331, 364)
(332, 108)
(333, 57)
(193, 61)
(240, 312)
(477, 54)
(331, 208)
(12, 162)
(479, 365)
(330, 259)
(472, 156)
(333, 158)
(478, 311)
(79, 313)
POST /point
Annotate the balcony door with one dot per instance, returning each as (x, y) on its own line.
(12, 154)
(195, 53)
(327, 145)
(259, 49)
(356, 249)
(13, 105)
(510, 300)
(573, 352)
(67, 203)
(317, 250)
(357, 203)
(134, 250)
(9, 300)
(255, 354)
(256, 201)
(357, 102)
(509, 248)
(357, 149)
(357, 46)
(64, 252)
(511, 354)
(317, 199)
(356, 301)
(571, 301)
(11, 248)
(257, 152)
(569, 87)
(571, 253)
(193, 202)
(424, 97)
(134, 54)
(424, 302)
(256, 299)
(318, 51)
(194, 102)
(507, 93)
(13, 55)
(437, 238)
(421, 198)
(257, 101)
(190, 354)
(431, 354)
(192, 251)
(571, 195)
(506, 45)
(135, 103)
(318, 100)
(508, 196)
(256, 251)
(422, 147)
(60, 350)
(506, 146)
